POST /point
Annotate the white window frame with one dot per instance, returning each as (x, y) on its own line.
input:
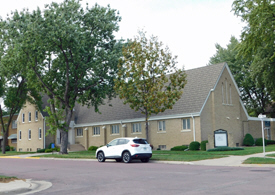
(185, 123)
(20, 134)
(30, 116)
(115, 129)
(36, 115)
(136, 128)
(230, 97)
(23, 117)
(14, 124)
(79, 132)
(30, 134)
(96, 131)
(161, 126)
(39, 133)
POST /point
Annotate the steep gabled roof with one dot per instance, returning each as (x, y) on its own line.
(199, 82)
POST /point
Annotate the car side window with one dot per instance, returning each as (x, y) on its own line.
(113, 143)
(122, 141)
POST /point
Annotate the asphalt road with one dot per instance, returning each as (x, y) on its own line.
(91, 177)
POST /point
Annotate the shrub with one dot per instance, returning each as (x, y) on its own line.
(41, 150)
(179, 148)
(259, 142)
(203, 145)
(224, 148)
(248, 140)
(57, 149)
(92, 148)
(7, 148)
(48, 150)
(194, 145)
(158, 149)
(269, 142)
(11, 148)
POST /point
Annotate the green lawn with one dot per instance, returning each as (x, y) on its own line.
(173, 155)
(259, 160)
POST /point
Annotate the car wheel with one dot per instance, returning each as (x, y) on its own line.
(126, 157)
(119, 160)
(145, 160)
(100, 157)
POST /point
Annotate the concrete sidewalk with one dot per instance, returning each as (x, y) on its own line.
(233, 161)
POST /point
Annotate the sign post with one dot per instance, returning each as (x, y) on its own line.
(262, 117)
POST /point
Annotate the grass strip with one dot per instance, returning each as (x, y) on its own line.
(259, 160)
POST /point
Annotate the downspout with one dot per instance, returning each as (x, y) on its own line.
(44, 132)
(194, 128)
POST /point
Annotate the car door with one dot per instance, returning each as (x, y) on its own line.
(109, 151)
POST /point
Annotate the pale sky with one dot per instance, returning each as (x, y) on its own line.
(190, 28)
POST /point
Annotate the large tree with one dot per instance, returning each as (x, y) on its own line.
(148, 79)
(13, 85)
(257, 38)
(71, 55)
(253, 91)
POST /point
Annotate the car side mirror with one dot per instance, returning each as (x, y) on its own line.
(107, 145)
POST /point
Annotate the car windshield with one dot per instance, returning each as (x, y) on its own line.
(140, 141)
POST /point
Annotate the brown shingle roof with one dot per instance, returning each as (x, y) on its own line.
(199, 83)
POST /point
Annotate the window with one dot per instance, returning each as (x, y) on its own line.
(161, 126)
(186, 123)
(115, 129)
(136, 127)
(30, 134)
(230, 98)
(96, 130)
(14, 124)
(23, 117)
(20, 135)
(226, 95)
(30, 116)
(36, 115)
(39, 133)
(162, 147)
(222, 94)
(79, 132)
(14, 141)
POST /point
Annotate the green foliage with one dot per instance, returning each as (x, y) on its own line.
(11, 148)
(224, 148)
(179, 148)
(48, 150)
(92, 148)
(259, 142)
(257, 39)
(253, 91)
(203, 145)
(194, 145)
(269, 142)
(41, 150)
(248, 140)
(148, 79)
(8, 148)
(69, 53)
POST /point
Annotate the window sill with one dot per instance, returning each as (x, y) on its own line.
(227, 104)
(136, 133)
(161, 132)
(186, 130)
(79, 136)
(96, 135)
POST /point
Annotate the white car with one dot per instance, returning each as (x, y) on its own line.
(125, 149)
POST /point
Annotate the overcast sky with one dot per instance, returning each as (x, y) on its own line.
(190, 28)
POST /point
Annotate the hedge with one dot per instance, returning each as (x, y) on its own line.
(224, 148)
(179, 148)
(248, 140)
(259, 142)
(194, 145)
(203, 145)
(92, 148)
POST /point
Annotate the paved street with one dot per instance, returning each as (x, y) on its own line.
(91, 177)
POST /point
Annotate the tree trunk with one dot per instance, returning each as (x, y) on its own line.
(65, 131)
(4, 141)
